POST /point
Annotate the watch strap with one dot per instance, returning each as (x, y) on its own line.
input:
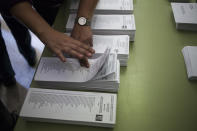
(88, 22)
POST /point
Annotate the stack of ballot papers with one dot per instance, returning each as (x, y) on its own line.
(107, 6)
(179, 0)
(102, 75)
(119, 45)
(190, 57)
(108, 25)
(71, 107)
(185, 15)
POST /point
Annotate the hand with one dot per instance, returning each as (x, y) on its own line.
(83, 34)
(59, 43)
(56, 41)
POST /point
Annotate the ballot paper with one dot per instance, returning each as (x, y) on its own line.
(109, 83)
(107, 6)
(71, 107)
(190, 57)
(108, 25)
(185, 15)
(119, 45)
(52, 69)
(103, 74)
(179, 0)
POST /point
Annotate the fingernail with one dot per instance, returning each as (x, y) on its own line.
(89, 54)
(88, 65)
(81, 56)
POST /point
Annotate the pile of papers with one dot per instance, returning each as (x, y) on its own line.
(71, 107)
(103, 74)
(108, 25)
(107, 6)
(185, 15)
(113, 27)
(119, 45)
(179, 0)
(190, 57)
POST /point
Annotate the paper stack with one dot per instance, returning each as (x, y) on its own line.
(112, 34)
(185, 15)
(107, 6)
(71, 107)
(190, 57)
(103, 74)
(179, 0)
(108, 25)
(119, 45)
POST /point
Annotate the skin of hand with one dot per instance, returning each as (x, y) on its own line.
(56, 41)
(83, 34)
(59, 43)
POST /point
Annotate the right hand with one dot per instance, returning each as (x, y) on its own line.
(84, 35)
(59, 43)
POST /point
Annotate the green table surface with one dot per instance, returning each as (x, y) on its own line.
(154, 94)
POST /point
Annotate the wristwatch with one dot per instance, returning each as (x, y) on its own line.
(82, 21)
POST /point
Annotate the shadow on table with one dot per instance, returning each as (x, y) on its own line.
(42, 126)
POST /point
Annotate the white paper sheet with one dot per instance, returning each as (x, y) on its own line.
(185, 12)
(107, 5)
(72, 107)
(190, 57)
(52, 69)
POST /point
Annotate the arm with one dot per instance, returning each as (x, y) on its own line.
(56, 41)
(84, 33)
(86, 8)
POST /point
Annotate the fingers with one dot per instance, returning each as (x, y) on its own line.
(73, 50)
(82, 59)
(72, 47)
(82, 48)
(61, 56)
(89, 41)
(74, 53)
(84, 62)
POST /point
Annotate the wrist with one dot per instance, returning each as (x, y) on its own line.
(81, 28)
(82, 21)
(44, 35)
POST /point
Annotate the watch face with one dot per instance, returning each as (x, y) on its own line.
(82, 21)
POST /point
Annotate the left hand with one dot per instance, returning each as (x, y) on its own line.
(84, 35)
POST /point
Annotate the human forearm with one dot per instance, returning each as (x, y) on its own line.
(84, 33)
(24, 12)
(86, 8)
(58, 42)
